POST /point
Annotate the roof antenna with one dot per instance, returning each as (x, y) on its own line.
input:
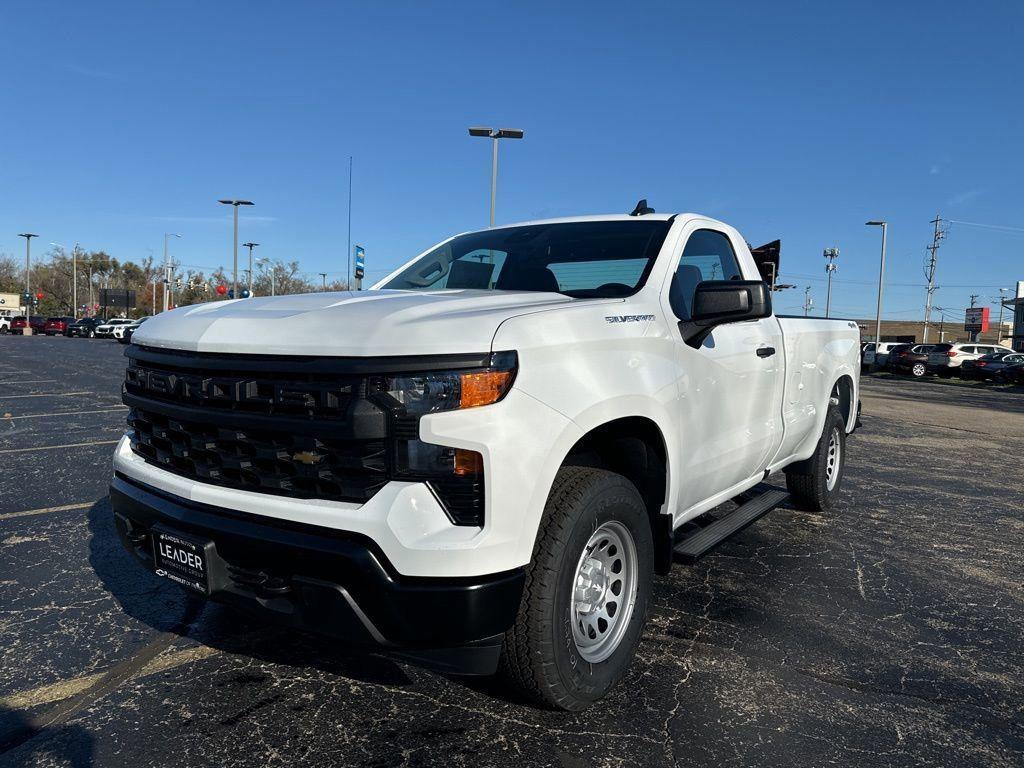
(642, 209)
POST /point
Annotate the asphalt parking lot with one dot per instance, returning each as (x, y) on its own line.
(886, 633)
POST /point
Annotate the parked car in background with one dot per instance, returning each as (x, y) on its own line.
(910, 358)
(946, 359)
(123, 333)
(106, 330)
(85, 328)
(5, 324)
(985, 368)
(1012, 373)
(19, 323)
(57, 325)
(877, 354)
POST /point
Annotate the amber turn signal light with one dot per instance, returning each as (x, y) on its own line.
(468, 462)
(484, 388)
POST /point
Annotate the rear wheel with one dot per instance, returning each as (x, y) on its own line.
(587, 589)
(918, 370)
(814, 483)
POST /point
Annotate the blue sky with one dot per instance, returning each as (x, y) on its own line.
(123, 121)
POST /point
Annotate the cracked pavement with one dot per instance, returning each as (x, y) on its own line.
(887, 632)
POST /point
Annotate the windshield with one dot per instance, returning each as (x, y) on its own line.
(593, 259)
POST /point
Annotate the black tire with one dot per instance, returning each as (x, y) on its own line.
(540, 656)
(812, 486)
(90, 334)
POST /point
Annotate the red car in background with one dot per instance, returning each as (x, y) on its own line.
(55, 325)
(20, 323)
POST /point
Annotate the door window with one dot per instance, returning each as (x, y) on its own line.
(708, 255)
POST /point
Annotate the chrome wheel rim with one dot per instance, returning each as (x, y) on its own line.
(604, 592)
(832, 459)
(918, 369)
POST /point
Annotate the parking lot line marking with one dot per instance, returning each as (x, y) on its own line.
(48, 694)
(45, 510)
(55, 447)
(65, 413)
(30, 381)
(44, 394)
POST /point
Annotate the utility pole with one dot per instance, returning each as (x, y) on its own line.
(831, 254)
(999, 331)
(323, 276)
(808, 301)
(975, 335)
(933, 260)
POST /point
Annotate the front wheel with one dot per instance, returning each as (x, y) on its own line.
(814, 482)
(587, 589)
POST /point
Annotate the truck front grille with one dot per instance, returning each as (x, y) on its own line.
(286, 427)
(286, 464)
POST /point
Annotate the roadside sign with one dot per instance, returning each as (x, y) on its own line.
(976, 319)
(360, 262)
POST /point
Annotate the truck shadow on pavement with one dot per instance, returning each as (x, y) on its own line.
(165, 607)
(69, 745)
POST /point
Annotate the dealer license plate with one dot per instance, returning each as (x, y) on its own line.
(182, 559)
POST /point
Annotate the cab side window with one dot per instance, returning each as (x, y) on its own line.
(708, 255)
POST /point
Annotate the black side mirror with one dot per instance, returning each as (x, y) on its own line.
(716, 302)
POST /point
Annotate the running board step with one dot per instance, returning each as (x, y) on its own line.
(695, 546)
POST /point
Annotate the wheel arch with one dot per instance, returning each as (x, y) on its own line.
(634, 447)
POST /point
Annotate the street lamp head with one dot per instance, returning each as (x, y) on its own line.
(509, 133)
(874, 223)
(27, 235)
(249, 245)
(481, 132)
(236, 203)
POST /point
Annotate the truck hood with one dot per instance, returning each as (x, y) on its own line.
(345, 324)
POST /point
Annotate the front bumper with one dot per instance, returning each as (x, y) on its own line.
(331, 582)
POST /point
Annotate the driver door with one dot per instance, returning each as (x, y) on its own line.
(730, 387)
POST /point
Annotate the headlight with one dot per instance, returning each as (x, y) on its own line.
(420, 394)
(456, 475)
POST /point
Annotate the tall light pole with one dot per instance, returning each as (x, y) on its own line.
(831, 254)
(264, 263)
(250, 246)
(234, 272)
(494, 134)
(167, 270)
(881, 279)
(323, 276)
(28, 288)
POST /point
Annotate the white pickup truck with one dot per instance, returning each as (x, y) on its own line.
(481, 462)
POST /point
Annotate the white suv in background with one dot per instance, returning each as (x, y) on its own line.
(946, 359)
(878, 354)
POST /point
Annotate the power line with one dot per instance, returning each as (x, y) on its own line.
(997, 227)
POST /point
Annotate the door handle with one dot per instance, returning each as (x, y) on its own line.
(765, 351)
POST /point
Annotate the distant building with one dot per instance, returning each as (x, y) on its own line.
(912, 331)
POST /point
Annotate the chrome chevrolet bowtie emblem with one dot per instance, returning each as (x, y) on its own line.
(307, 457)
